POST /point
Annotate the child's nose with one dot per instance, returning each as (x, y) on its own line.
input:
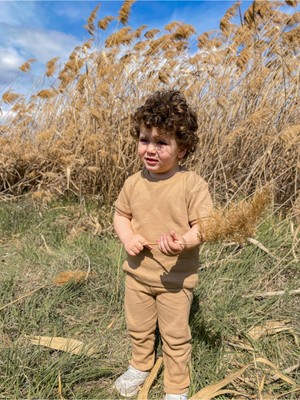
(151, 148)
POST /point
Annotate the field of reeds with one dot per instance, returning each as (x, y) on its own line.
(73, 136)
(65, 152)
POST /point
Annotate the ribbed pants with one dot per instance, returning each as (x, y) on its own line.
(147, 306)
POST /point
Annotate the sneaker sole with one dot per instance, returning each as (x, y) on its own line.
(127, 394)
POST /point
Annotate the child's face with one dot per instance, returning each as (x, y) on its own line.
(159, 153)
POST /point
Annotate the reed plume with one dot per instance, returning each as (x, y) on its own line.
(242, 81)
(47, 93)
(123, 36)
(66, 277)
(103, 23)
(10, 97)
(26, 66)
(90, 26)
(125, 11)
(51, 66)
(151, 33)
(237, 222)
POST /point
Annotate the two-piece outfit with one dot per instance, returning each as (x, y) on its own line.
(158, 287)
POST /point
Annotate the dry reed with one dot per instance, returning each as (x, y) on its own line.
(125, 11)
(90, 26)
(51, 66)
(237, 222)
(66, 277)
(103, 23)
(63, 278)
(243, 88)
(26, 66)
(10, 97)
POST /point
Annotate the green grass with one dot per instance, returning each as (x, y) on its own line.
(38, 242)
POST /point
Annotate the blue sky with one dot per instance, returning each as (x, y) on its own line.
(46, 29)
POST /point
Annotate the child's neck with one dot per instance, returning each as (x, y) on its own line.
(165, 175)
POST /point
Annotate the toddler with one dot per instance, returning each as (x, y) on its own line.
(156, 219)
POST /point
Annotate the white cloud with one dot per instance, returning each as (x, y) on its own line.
(22, 44)
(10, 59)
(18, 13)
(24, 35)
(41, 44)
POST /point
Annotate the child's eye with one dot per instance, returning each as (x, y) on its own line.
(143, 140)
(161, 143)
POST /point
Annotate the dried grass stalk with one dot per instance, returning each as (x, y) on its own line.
(143, 393)
(66, 277)
(60, 387)
(51, 66)
(22, 297)
(292, 3)
(90, 27)
(68, 345)
(125, 11)
(271, 294)
(151, 33)
(46, 93)
(26, 66)
(216, 389)
(237, 222)
(61, 279)
(123, 36)
(103, 23)
(10, 97)
(270, 328)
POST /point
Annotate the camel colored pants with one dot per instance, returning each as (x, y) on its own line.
(145, 306)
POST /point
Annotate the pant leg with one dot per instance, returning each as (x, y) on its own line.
(173, 310)
(141, 318)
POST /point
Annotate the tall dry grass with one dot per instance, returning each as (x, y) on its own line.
(73, 137)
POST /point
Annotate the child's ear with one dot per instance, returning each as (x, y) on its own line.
(182, 153)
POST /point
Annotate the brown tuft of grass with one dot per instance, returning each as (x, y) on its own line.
(123, 36)
(51, 66)
(46, 93)
(183, 31)
(66, 277)
(292, 3)
(237, 222)
(151, 33)
(90, 26)
(225, 24)
(10, 97)
(26, 66)
(103, 23)
(125, 11)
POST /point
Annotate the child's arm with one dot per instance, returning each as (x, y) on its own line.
(133, 243)
(172, 244)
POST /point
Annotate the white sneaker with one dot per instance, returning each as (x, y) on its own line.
(169, 396)
(129, 383)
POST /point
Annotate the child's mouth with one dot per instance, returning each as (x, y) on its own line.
(151, 161)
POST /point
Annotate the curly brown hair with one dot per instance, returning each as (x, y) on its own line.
(168, 111)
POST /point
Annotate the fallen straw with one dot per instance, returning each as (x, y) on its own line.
(61, 279)
(143, 393)
(22, 297)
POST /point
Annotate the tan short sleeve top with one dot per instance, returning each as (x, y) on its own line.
(161, 206)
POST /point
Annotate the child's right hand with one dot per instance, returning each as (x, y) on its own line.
(135, 244)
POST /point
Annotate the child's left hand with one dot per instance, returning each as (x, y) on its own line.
(171, 244)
